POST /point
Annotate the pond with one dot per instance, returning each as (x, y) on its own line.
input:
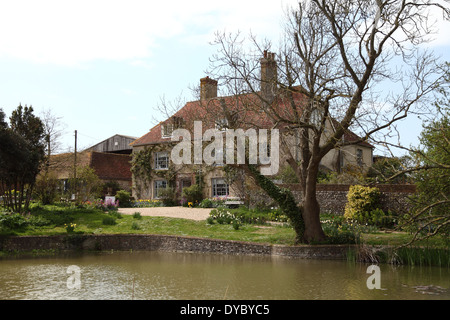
(189, 276)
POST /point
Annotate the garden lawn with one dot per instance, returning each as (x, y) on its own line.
(52, 220)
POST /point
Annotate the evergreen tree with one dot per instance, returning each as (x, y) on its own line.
(21, 155)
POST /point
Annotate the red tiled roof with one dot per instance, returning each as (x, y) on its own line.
(152, 137)
(208, 110)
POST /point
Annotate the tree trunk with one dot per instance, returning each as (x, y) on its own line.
(311, 216)
(311, 209)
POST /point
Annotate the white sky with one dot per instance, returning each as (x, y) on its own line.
(104, 65)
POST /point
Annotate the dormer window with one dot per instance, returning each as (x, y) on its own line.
(168, 127)
(167, 130)
(222, 124)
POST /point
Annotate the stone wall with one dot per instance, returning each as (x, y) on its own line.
(333, 197)
(145, 242)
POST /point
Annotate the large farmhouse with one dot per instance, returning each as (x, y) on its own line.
(215, 112)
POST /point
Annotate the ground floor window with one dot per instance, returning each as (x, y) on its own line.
(219, 187)
(159, 184)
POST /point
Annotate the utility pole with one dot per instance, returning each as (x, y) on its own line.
(75, 158)
(75, 184)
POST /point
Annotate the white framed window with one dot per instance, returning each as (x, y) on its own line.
(219, 187)
(167, 130)
(158, 186)
(162, 160)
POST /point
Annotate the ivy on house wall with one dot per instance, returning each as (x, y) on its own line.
(141, 165)
(143, 171)
(142, 168)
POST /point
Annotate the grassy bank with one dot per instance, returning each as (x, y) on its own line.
(56, 220)
(59, 219)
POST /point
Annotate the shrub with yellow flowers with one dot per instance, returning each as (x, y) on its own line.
(70, 227)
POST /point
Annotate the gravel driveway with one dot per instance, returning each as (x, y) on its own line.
(173, 212)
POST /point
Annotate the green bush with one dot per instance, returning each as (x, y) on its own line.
(124, 198)
(12, 221)
(287, 175)
(222, 215)
(193, 194)
(167, 196)
(137, 215)
(109, 221)
(38, 221)
(212, 202)
(278, 216)
(362, 205)
(249, 216)
(238, 216)
(206, 203)
(340, 231)
(46, 188)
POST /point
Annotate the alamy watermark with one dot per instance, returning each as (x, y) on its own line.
(74, 280)
(374, 281)
(262, 149)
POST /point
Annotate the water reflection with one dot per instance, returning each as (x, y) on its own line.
(159, 275)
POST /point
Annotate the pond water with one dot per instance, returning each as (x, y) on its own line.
(189, 276)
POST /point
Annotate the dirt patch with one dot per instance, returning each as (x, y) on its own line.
(172, 212)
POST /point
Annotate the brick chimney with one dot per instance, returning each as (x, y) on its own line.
(268, 76)
(208, 88)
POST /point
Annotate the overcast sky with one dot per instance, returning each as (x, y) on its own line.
(104, 65)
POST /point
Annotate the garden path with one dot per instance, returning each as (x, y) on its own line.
(172, 212)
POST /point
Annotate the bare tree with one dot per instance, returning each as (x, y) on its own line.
(53, 129)
(350, 64)
(429, 215)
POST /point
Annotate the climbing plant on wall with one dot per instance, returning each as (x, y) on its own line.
(141, 165)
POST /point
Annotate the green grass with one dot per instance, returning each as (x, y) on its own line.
(50, 220)
(90, 221)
